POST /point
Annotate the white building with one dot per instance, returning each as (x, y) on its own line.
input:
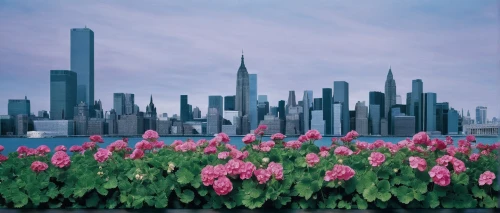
(337, 119)
(361, 118)
(55, 127)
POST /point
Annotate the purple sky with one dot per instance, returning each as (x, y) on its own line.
(168, 48)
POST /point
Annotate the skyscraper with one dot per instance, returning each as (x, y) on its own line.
(229, 103)
(281, 109)
(291, 100)
(19, 107)
(398, 99)
(390, 93)
(374, 119)
(327, 110)
(337, 118)
(82, 62)
(119, 103)
(318, 104)
(253, 101)
(130, 108)
(442, 110)
(306, 102)
(196, 112)
(311, 98)
(214, 124)
(242, 102)
(452, 122)
(408, 103)
(262, 98)
(215, 101)
(184, 108)
(62, 94)
(428, 109)
(416, 105)
(481, 115)
(341, 95)
(361, 118)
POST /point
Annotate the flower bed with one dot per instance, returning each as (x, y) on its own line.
(416, 173)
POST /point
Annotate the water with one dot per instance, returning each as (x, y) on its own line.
(11, 144)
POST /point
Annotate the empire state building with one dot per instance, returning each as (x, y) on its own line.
(242, 102)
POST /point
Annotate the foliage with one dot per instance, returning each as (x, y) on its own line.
(170, 178)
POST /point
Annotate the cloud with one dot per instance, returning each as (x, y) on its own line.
(171, 48)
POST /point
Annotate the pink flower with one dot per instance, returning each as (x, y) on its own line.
(458, 166)
(293, 144)
(362, 145)
(324, 154)
(443, 161)
(324, 148)
(150, 135)
(263, 175)
(451, 150)
(136, 154)
(144, 145)
(223, 186)
(265, 149)
(255, 147)
(351, 135)
(485, 152)
(303, 138)
(230, 147)
(42, 150)
(464, 143)
(208, 175)
(278, 136)
(248, 139)
(60, 148)
(60, 159)
(237, 154)
(449, 140)
(313, 135)
(39, 166)
(117, 146)
(312, 159)
(470, 138)
(268, 143)
(176, 143)
(260, 130)
(247, 170)
(3, 158)
(334, 140)
(187, 146)
(201, 142)
(343, 151)
(421, 138)
(96, 139)
(224, 137)
(276, 169)
(234, 166)
(22, 150)
(31, 152)
(378, 143)
(376, 159)
(474, 157)
(486, 178)
(440, 175)
(219, 171)
(88, 145)
(420, 163)
(102, 155)
(1, 148)
(76, 148)
(223, 155)
(464, 150)
(210, 150)
(393, 148)
(340, 172)
(439, 144)
(158, 144)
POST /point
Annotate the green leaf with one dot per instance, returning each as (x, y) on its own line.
(448, 202)
(478, 192)
(432, 200)
(187, 196)
(184, 176)
(361, 203)
(365, 181)
(202, 191)
(370, 193)
(52, 192)
(102, 191)
(284, 200)
(111, 183)
(344, 205)
(489, 202)
(349, 186)
(111, 203)
(462, 178)
(92, 200)
(404, 194)
(306, 187)
(331, 202)
(229, 204)
(161, 201)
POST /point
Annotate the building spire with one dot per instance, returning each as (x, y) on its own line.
(151, 99)
(242, 65)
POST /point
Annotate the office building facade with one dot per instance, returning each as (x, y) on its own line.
(63, 88)
(82, 62)
(341, 95)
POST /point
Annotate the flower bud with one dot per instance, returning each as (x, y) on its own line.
(141, 176)
(265, 160)
(100, 167)
(340, 183)
(395, 170)
(137, 176)
(340, 161)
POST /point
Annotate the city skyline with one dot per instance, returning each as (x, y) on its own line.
(269, 56)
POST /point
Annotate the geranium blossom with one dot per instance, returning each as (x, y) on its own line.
(324, 154)
(88, 145)
(293, 144)
(278, 136)
(260, 130)
(144, 145)
(458, 166)
(361, 145)
(38, 166)
(3, 158)
(470, 138)
(223, 137)
(276, 169)
(136, 154)
(262, 175)
(102, 155)
(486, 178)
(76, 148)
(313, 135)
(248, 139)
(223, 155)
(420, 163)
(340, 172)
(440, 175)
(150, 135)
(312, 159)
(343, 151)
(60, 159)
(176, 143)
(117, 146)
(234, 166)
(60, 148)
(207, 175)
(247, 170)
(42, 150)
(96, 139)
(210, 150)
(474, 157)
(303, 138)
(1, 148)
(421, 138)
(376, 159)
(444, 160)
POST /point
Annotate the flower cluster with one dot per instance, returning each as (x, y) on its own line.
(339, 172)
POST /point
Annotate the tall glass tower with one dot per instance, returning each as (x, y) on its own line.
(242, 103)
(82, 62)
(417, 88)
(62, 94)
(216, 101)
(253, 101)
(341, 95)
